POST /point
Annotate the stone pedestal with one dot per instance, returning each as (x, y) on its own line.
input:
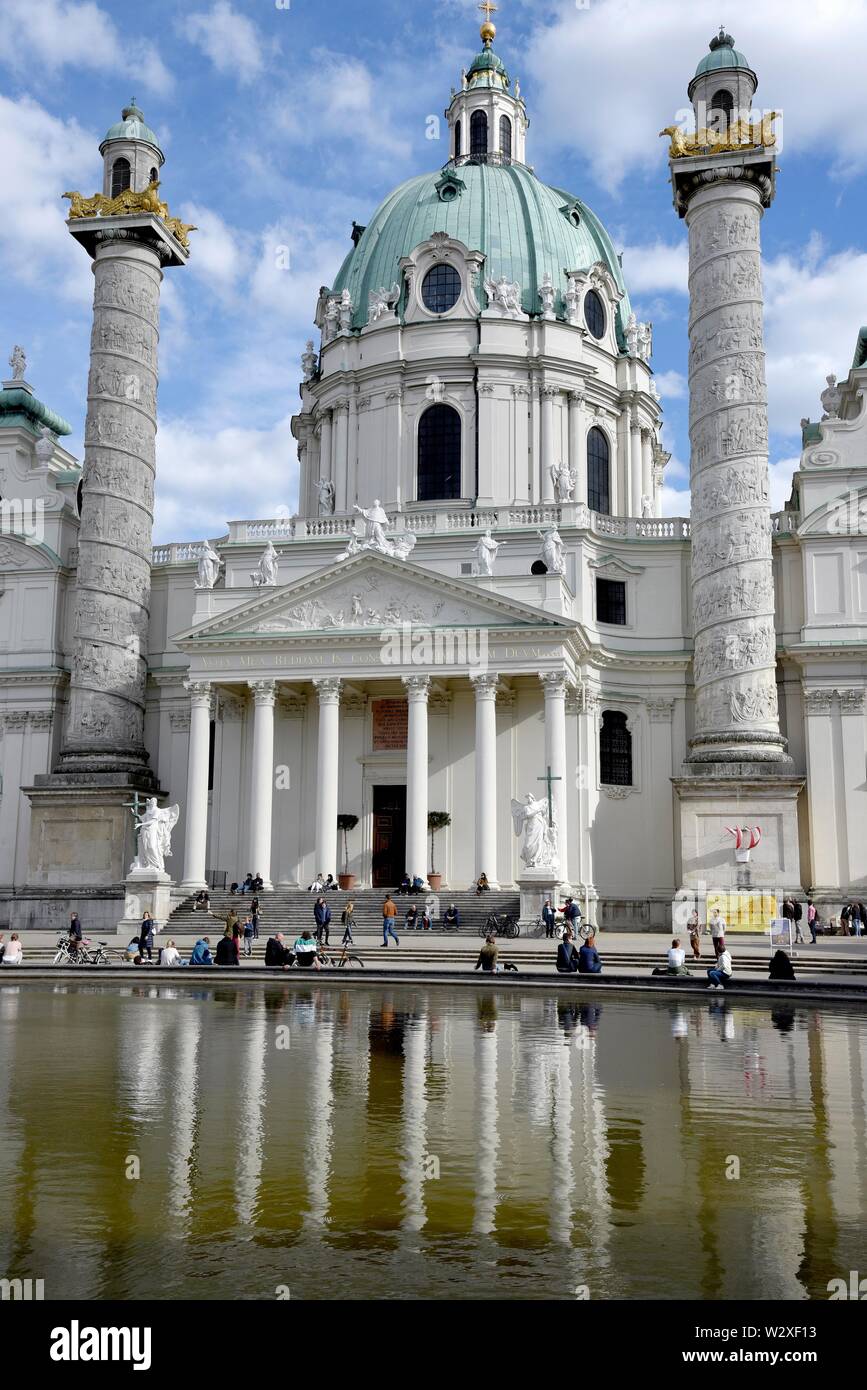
(147, 890)
(535, 885)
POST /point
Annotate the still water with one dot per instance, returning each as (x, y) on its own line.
(426, 1142)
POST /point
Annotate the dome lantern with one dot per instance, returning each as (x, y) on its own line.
(487, 119)
(131, 154)
(724, 84)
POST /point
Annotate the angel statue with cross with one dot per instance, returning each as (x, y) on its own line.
(535, 819)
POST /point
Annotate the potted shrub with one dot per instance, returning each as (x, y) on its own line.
(436, 820)
(346, 880)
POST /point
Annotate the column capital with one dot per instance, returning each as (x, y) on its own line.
(576, 395)
(555, 684)
(199, 692)
(660, 710)
(417, 688)
(328, 690)
(264, 692)
(851, 701)
(486, 685)
(549, 392)
(817, 699)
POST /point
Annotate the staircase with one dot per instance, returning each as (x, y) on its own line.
(290, 911)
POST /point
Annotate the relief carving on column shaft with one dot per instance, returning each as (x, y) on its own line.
(723, 652)
(728, 432)
(131, 288)
(727, 381)
(745, 702)
(736, 485)
(715, 282)
(717, 230)
(130, 338)
(741, 596)
(731, 540)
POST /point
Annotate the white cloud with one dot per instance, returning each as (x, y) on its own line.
(47, 156)
(659, 268)
(353, 107)
(202, 473)
(654, 49)
(228, 38)
(53, 34)
(671, 385)
(220, 251)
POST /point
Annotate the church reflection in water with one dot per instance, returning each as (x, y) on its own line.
(215, 1142)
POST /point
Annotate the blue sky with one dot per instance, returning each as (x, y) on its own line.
(283, 122)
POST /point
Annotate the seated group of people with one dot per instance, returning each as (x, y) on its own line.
(323, 883)
(416, 884)
(169, 955)
(574, 960)
(304, 954)
(253, 883)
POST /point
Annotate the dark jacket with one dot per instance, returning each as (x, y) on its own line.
(146, 935)
(276, 954)
(226, 952)
(588, 961)
(453, 917)
(549, 916)
(322, 914)
(781, 967)
(567, 957)
(75, 927)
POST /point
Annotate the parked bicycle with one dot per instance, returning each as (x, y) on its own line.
(82, 955)
(505, 925)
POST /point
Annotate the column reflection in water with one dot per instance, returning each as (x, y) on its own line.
(11, 1136)
(415, 1041)
(563, 1176)
(185, 1085)
(320, 1128)
(250, 1117)
(592, 1131)
(487, 1120)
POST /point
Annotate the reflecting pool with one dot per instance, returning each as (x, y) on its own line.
(212, 1142)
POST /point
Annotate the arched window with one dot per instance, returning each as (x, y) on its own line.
(441, 288)
(478, 133)
(457, 139)
(154, 176)
(721, 107)
(439, 454)
(121, 176)
(615, 750)
(598, 472)
(505, 137)
(594, 314)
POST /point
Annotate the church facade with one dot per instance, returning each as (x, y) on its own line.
(479, 599)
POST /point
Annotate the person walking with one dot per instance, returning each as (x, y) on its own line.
(720, 974)
(812, 917)
(146, 937)
(322, 918)
(693, 925)
(718, 931)
(254, 917)
(389, 912)
(845, 917)
(856, 921)
(75, 934)
(348, 921)
(248, 937)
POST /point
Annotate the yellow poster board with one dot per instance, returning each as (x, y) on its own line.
(744, 911)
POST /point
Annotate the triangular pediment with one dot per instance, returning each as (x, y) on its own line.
(365, 594)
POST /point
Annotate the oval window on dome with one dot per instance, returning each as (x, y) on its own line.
(441, 289)
(594, 314)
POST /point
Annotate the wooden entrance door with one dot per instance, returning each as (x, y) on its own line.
(389, 836)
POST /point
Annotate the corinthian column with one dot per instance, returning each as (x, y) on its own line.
(195, 849)
(485, 687)
(262, 780)
(417, 690)
(554, 685)
(327, 774)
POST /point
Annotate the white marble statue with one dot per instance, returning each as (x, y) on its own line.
(530, 817)
(504, 295)
(44, 448)
(646, 507)
(831, 399)
(345, 312)
(332, 320)
(382, 302)
(553, 552)
(546, 294)
(265, 576)
(573, 300)
(18, 363)
(465, 81)
(403, 546)
(564, 479)
(325, 488)
(375, 520)
(632, 334)
(309, 361)
(155, 836)
(645, 341)
(210, 565)
(353, 547)
(486, 553)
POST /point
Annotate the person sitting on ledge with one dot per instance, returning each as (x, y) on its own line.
(568, 961)
(721, 973)
(676, 961)
(405, 884)
(410, 921)
(132, 950)
(418, 884)
(170, 955)
(234, 890)
(482, 886)
(307, 952)
(247, 885)
(277, 954)
(781, 967)
(14, 953)
(258, 883)
(227, 953)
(487, 960)
(452, 918)
(202, 900)
(330, 884)
(588, 958)
(202, 952)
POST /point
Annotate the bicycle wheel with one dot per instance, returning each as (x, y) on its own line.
(61, 955)
(512, 929)
(483, 931)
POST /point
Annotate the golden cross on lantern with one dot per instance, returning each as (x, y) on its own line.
(488, 9)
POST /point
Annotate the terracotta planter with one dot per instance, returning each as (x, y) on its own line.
(345, 882)
(435, 881)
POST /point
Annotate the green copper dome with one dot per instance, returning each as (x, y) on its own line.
(132, 127)
(523, 228)
(487, 69)
(723, 54)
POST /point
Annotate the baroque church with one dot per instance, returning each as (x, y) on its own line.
(479, 604)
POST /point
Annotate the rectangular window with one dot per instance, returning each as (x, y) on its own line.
(611, 601)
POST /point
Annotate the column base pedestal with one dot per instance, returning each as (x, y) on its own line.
(535, 885)
(713, 796)
(81, 832)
